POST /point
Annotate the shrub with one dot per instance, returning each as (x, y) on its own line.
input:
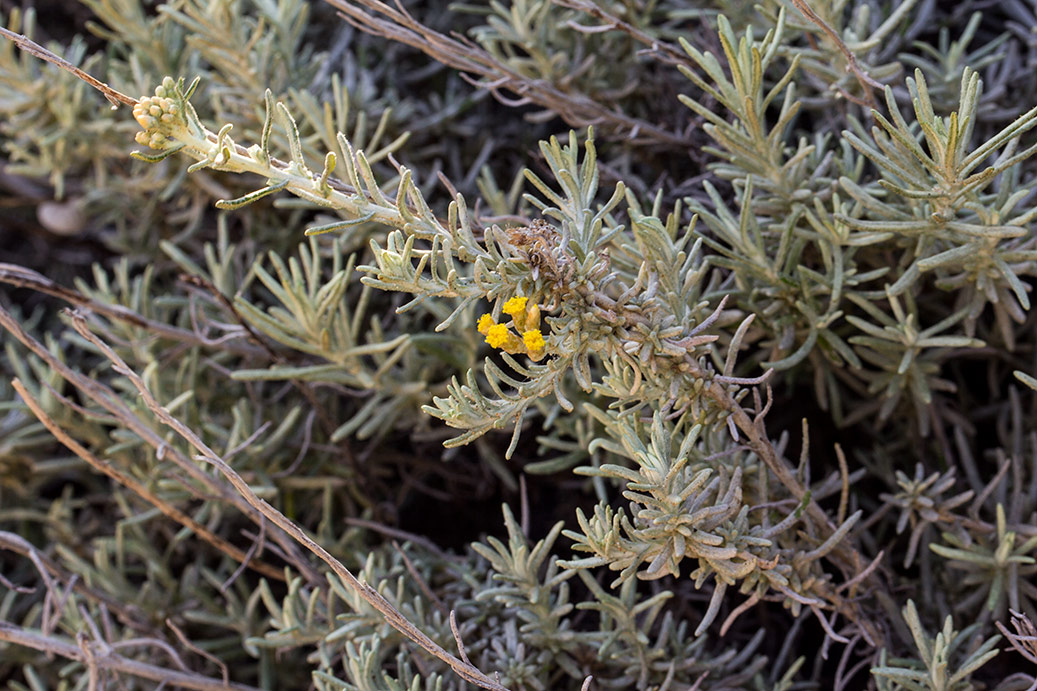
(757, 330)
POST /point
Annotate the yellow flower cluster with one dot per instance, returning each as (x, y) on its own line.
(525, 320)
(158, 115)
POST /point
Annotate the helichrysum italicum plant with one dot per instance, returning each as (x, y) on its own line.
(857, 251)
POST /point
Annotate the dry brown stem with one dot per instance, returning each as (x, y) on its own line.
(395, 619)
(666, 51)
(578, 110)
(28, 45)
(122, 478)
(110, 401)
(863, 78)
(845, 556)
(100, 657)
(254, 506)
(21, 277)
(130, 615)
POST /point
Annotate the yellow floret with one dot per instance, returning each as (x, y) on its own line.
(532, 317)
(514, 306)
(533, 339)
(485, 322)
(497, 335)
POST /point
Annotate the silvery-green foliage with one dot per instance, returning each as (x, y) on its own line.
(938, 197)
(514, 613)
(956, 209)
(946, 661)
(688, 503)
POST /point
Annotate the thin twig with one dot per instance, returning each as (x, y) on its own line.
(94, 655)
(852, 584)
(737, 611)
(21, 277)
(49, 619)
(130, 483)
(579, 110)
(667, 51)
(130, 615)
(28, 45)
(457, 636)
(399, 534)
(154, 643)
(866, 81)
(114, 404)
(844, 491)
(22, 589)
(198, 651)
(422, 583)
(208, 286)
(392, 616)
(256, 548)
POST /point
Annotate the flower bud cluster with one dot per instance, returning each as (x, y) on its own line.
(159, 115)
(525, 320)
